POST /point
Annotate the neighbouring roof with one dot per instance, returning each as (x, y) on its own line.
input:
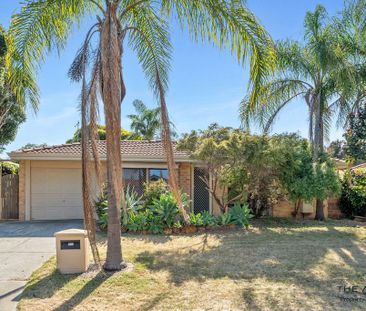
(131, 150)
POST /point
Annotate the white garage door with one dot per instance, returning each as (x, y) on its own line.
(56, 193)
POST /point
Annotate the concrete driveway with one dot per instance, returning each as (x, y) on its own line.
(24, 246)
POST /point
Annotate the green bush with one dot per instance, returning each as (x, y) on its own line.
(133, 203)
(133, 200)
(353, 196)
(9, 168)
(153, 191)
(101, 204)
(196, 219)
(208, 219)
(138, 221)
(224, 219)
(240, 215)
(165, 208)
(162, 213)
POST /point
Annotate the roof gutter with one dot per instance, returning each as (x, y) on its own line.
(70, 157)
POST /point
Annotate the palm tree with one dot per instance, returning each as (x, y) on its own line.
(318, 71)
(143, 26)
(350, 29)
(146, 122)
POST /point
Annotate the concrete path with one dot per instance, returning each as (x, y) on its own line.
(24, 246)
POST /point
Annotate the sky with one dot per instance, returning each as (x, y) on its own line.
(206, 84)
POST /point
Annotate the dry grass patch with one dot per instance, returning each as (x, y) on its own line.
(277, 265)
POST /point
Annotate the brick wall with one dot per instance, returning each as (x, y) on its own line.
(285, 208)
(185, 178)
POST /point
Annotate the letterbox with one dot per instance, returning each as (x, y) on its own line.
(72, 251)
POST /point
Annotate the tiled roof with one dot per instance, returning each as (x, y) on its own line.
(129, 149)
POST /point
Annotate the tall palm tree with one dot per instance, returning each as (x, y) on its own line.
(146, 122)
(143, 26)
(350, 29)
(318, 71)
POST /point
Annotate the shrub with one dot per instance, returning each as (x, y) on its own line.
(153, 191)
(133, 200)
(196, 219)
(240, 215)
(165, 208)
(101, 204)
(9, 168)
(353, 196)
(208, 219)
(224, 219)
(138, 221)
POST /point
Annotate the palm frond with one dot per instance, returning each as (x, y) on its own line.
(40, 26)
(274, 96)
(229, 24)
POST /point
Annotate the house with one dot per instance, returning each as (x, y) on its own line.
(50, 177)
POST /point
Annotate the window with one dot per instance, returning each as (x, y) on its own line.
(135, 178)
(156, 174)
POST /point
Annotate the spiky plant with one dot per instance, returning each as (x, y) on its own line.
(143, 26)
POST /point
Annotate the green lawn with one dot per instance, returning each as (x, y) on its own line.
(277, 265)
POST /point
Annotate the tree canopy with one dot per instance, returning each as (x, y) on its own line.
(146, 122)
(125, 135)
(355, 136)
(11, 113)
(259, 169)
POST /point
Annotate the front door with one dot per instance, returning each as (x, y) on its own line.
(201, 196)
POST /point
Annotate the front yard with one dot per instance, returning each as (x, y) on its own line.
(277, 265)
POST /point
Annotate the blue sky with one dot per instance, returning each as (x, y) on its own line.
(206, 84)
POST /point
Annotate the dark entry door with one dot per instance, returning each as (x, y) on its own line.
(201, 199)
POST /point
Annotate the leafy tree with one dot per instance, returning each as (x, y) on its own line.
(295, 169)
(240, 165)
(352, 201)
(11, 113)
(101, 132)
(142, 26)
(259, 169)
(9, 168)
(355, 136)
(212, 147)
(336, 149)
(319, 72)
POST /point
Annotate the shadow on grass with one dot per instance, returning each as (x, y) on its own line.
(297, 257)
(48, 286)
(84, 292)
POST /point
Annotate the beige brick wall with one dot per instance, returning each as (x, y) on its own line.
(284, 209)
(22, 190)
(185, 178)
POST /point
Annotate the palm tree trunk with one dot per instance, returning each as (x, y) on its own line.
(317, 129)
(317, 149)
(168, 148)
(113, 91)
(310, 103)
